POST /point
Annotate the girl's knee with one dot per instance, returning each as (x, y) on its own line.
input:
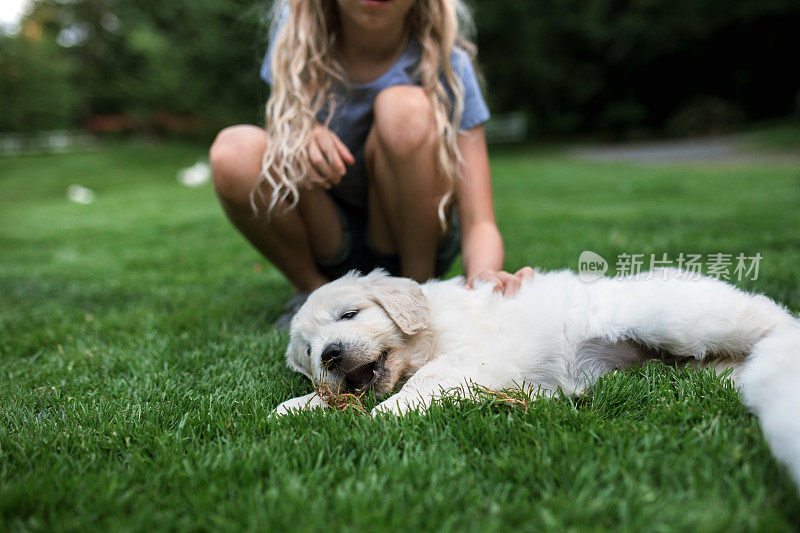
(403, 119)
(235, 158)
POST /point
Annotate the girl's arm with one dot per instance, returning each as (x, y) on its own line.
(482, 246)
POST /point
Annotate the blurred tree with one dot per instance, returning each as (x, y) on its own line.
(194, 57)
(628, 67)
(35, 86)
(183, 64)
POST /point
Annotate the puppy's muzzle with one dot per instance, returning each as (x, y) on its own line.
(356, 376)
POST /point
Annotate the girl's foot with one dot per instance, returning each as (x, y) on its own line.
(290, 308)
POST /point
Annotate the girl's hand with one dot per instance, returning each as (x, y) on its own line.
(506, 283)
(328, 156)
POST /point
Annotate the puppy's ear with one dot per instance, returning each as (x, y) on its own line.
(293, 355)
(401, 298)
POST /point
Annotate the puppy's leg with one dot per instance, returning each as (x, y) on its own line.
(309, 401)
(435, 380)
(692, 319)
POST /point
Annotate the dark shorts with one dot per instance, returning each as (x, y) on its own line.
(357, 253)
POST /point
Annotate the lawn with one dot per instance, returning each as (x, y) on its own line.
(138, 367)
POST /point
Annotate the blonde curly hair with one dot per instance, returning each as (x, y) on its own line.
(306, 72)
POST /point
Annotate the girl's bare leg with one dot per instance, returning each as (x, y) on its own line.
(405, 188)
(289, 239)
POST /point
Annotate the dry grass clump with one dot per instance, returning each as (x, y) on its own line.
(340, 401)
(513, 397)
(518, 396)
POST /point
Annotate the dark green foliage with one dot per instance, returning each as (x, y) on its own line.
(36, 90)
(194, 60)
(138, 368)
(628, 66)
(198, 58)
(625, 67)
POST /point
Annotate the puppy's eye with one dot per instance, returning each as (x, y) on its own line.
(308, 350)
(349, 315)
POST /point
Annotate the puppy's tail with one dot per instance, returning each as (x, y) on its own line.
(770, 386)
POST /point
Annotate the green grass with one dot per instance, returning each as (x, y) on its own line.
(138, 367)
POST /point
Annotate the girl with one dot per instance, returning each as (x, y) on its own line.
(374, 153)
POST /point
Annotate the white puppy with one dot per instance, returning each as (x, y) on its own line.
(420, 342)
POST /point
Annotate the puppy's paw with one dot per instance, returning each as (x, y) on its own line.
(398, 406)
(386, 409)
(301, 403)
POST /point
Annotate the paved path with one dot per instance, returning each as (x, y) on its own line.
(727, 149)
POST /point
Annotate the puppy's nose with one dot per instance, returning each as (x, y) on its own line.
(331, 354)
